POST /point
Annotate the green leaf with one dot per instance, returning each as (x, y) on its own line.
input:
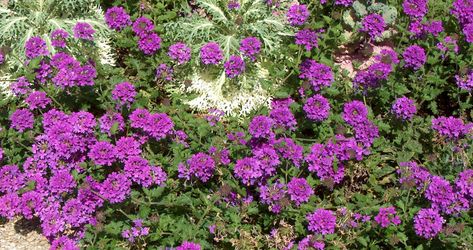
(114, 227)
(359, 8)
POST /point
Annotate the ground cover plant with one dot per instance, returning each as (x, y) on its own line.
(245, 125)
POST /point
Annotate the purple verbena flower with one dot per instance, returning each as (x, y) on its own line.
(111, 120)
(374, 25)
(317, 108)
(36, 46)
(200, 165)
(116, 187)
(322, 221)
(37, 100)
(103, 153)
(464, 183)
(289, 150)
(126, 147)
(22, 119)
(404, 108)
(283, 118)
(299, 190)
(439, 192)
(317, 74)
(451, 127)
(234, 66)
(260, 127)
(21, 86)
(414, 57)
(211, 53)
(138, 170)
(124, 93)
(297, 14)
(468, 32)
(84, 31)
(248, 170)
(9, 205)
(250, 47)
(139, 118)
(58, 38)
(117, 18)
(387, 216)
(307, 38)
(179, 52)
(428, 223)
(415, 9)
(158, 125)
(61, 182)
(354, 112)
(149, 43)
(463, 11)
(143, 26)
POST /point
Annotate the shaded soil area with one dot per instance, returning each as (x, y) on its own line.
(21, 234)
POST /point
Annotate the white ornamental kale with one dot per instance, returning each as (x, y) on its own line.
(214, 22)
(23, 19)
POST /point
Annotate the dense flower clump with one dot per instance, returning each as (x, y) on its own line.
(234, 66)
(414, 57)
(374, 25)
(84, 31)
(117, 18)
(180, 53)
(308, 38)
(149, 43)
(58, 38)
(297, 14)
(415, 8)
(317, 74)
(124, 93)
(299, 190)
(250, 47)
(322, 221)
(35, 47)
(211, 53)
(451, 127)
(428, 223)
(404, 108)
(317, 108)
(199, 165)
(387, 216)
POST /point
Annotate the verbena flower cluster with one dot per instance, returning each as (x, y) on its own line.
(414, 57)
(297, 14)
(117, 18)
(308, 38)
(404, 108)
(317, 74)
(374, 25)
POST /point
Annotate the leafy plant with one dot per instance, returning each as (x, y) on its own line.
(22, 19)
(228, 27)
